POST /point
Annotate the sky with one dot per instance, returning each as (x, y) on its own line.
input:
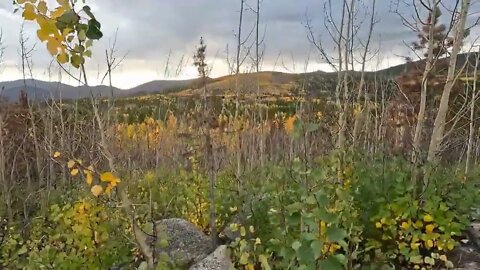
(157, 38)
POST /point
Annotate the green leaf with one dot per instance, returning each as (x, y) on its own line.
(296, 245)
(77, 60)
(93, 31)
(22, 250)
(305, 256)
(331, 263)
(317, 247)
(336, 234)
(244, 258)
(264, 262)
(88, 11)
(68, 18)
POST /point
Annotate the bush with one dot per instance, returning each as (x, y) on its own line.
(356, 212)
(77, 234)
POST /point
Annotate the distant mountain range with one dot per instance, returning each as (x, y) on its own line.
(42, 90)
(270, 82)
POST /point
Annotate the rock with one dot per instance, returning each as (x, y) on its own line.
(182, 241)
(218, 260)
(464, 257)
(467, 255)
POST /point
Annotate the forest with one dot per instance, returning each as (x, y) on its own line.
(352, 168)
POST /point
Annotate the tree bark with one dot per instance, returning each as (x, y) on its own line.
(439, 125)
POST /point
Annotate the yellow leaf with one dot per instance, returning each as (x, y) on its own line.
(70, 164)
(74, 172)
(429, 243)
(56, 154)
(405, 225)
(53, 46)
(429, 228)
(29, 12)
(62, 58)
(243, 232)
(89, 178)
(443, 258)
(251, 229)
(63, 2)
(428, 218)
(42, 7)
(42, 34)
(96, 190)
(57, 12)
(107, 177)
(378, 225)
(249, 267)
(108, 190)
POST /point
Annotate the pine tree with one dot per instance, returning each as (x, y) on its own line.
(441, 41)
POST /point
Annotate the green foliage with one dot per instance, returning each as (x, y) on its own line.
(75, 235)
(358, 212)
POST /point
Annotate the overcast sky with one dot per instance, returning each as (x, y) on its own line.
(151, 30)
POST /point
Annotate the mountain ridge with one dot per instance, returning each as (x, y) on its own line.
(269, 82)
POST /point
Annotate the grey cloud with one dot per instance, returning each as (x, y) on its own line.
(149, 29)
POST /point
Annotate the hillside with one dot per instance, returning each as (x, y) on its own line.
(270, 83)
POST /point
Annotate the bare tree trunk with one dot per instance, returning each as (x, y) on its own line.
(212, 176)
(237, 93)
(471, 133)
(360, 116)
(417, 138)
(3, 179)
(341, 121)
(439, 125)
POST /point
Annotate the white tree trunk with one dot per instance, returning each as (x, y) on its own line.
(439, 125)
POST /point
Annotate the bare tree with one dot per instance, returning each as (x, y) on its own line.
(439, 125)
(474, 97)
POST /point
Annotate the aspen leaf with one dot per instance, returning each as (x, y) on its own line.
(74, 172)
(77, 60)
(107, 177)
(243, 232)
(21, 2)
(429, 228)
(63, 58)
(42, 34)
(108, 190)
(64, 3)
(70, 164)
(428, 218)
(89, 178)
(53, 46)
(29, 12)
(96, 190)
(42, 7)
(57, 12)
(57, 154)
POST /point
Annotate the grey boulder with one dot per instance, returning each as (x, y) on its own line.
(182, 241)
(218, 260)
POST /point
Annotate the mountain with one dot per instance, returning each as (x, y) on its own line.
(160, 86)
(269, 82)
(41, 90)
